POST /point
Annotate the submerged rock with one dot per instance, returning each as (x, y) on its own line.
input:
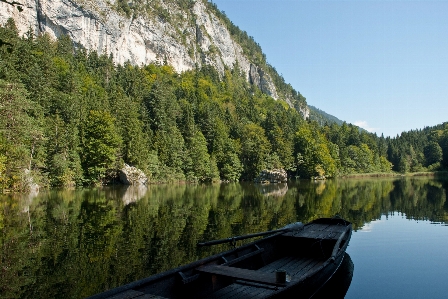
(272, 176)
(130, 175)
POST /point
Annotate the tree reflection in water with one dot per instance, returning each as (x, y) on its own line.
(74, 243)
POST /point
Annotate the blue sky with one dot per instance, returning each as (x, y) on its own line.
(382, 65)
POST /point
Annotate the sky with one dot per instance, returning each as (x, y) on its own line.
(382, 65)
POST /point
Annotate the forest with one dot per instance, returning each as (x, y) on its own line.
(69, 117)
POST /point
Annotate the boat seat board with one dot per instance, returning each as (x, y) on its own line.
(131, 294)
(295, 266)
(242, 274)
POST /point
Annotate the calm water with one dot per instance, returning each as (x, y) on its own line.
(75, 243)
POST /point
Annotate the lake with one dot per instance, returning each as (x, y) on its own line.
(75, 243)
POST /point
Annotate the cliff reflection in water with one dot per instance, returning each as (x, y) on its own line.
(74, 243)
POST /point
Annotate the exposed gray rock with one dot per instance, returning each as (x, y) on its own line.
(305, 111)
(258, 77)
(254, 77)
(272, 176)
(131, 175)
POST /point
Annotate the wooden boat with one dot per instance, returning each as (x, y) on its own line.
(309, 254)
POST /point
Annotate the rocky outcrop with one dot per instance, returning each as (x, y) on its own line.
(130, 175)
(271, 176)
(260, 78)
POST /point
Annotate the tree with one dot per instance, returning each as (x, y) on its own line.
(313, 156)
(433, 153)
(255, 148)
(63, 161)
(18, 132)
(198, 164)
(101, 145)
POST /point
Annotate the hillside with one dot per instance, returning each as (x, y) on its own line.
(321, 117)
(185, 34)
(73, 115)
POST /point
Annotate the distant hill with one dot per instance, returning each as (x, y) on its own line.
(321, 117)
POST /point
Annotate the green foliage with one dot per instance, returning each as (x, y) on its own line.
(433, 153)
(87, 116)
(20, 134)
(313, 154)
(255, 149)
(100, 146)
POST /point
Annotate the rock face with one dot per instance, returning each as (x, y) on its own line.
(130, 175)
(140, 40)
(272, 176)
(260, 78)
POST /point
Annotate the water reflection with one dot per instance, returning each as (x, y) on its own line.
(274, 190)
(338, 285)
(74, 243)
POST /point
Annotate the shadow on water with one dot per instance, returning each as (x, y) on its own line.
(338, 285)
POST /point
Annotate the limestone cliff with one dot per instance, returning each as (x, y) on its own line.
(182, 33)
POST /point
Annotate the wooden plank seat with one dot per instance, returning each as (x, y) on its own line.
(251, 283)
(242, 274)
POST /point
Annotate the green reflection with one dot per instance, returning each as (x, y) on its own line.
(74, 243)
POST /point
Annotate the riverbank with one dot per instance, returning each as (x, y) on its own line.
(396, 174)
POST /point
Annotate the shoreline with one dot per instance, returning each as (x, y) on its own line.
(395, 174)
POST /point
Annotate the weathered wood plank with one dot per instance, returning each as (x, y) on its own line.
(129, 294)
(276, 264)
(242, 291)
(228, 292)
(296, 265)
(243, 274)
(250, 292)
(308, 268)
